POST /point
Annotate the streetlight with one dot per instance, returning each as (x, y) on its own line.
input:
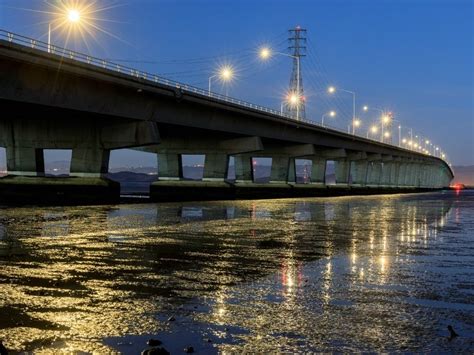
(71, 16)
(330, 114)
(374, 129)
(332, 90)
(385, 120)
(265, 53)
(355, 124)
(291, 100)
(225, 74)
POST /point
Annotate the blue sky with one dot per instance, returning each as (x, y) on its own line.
(413, 57)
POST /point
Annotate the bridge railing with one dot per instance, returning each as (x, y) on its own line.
(153, 78)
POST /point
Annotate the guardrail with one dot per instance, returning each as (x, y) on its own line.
(153, 78)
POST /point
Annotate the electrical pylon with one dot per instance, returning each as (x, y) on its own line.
(296, 105)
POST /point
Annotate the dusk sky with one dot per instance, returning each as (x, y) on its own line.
(414, 57)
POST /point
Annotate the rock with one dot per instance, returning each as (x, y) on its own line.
(452, 333)
(154, 342)
(155, 351)
(189, 350)
(3, 349)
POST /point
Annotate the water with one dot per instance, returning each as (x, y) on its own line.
(378, 273)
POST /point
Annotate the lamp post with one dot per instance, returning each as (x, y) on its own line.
(399, 131)
(372, 130)
(226, 73)
(330, 114)
(72, 16)
(266, 53)
(332, 90)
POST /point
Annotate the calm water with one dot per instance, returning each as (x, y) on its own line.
(380, 273)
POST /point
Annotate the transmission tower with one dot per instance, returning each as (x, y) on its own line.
(296, 105)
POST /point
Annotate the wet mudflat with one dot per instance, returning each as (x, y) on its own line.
(378, 273)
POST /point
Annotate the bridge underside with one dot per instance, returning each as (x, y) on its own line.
(91, 138)
(51, 102)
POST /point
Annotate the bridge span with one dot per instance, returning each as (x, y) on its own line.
(66, 100)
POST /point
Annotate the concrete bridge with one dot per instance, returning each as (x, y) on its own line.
(66, 100)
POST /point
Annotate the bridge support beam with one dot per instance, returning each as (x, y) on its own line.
(283, 170)
(318, 170)
(216, 167)
(386, 170)
(214, 185)
(90, 140)
(374, 170)
(243, 169)
(25, 161)
(169, 167)
(359, 172)
(342, 170)
(90, 162)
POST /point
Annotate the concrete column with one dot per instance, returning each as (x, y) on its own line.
(394, 174)
(283, 169)
(243, 168)
(89, 162)
(359, 172)
(417, 174)
(169, 166)
(423, 176)
(401, 174)
(342, 169)
(408, 175)
(429, 176)
(318, 170)
(386, 173)
(374, 173)
(25, 161)
(216, 167)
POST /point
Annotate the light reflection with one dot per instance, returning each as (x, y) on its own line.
(97, 288)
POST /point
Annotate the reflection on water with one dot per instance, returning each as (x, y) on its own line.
(381, 273)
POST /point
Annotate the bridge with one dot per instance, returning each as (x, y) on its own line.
(53, 98)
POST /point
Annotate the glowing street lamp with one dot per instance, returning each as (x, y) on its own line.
(356, 123)
(225, 74)
(332, 90)
(291, 100)
(386, 118)
(330, 114)
(265, 53)
(374, 129)
(71, 15)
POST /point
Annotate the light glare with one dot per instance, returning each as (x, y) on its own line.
(73, 15)
(265, 53)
